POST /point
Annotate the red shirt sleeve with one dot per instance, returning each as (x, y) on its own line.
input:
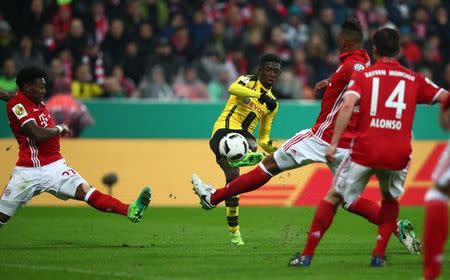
(428, 91)
(18, 113)
(354, 85)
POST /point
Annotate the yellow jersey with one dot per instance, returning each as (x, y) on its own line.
(243, 111)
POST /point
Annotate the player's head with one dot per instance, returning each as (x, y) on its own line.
(351, 36)
(269, 69)
(386, 42)
(31, 80)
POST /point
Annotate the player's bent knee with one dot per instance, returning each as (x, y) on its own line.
(334, 197)
(82, 190)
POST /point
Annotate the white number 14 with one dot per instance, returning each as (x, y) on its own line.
(398, 93)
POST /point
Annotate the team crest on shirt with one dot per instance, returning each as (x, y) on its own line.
(358, 67)
(7, 192)
(19, 111)
(246, 100)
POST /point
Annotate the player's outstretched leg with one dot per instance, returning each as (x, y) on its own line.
(435, 232)
(138, 207)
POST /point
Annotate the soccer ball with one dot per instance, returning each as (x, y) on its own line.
(233, 146)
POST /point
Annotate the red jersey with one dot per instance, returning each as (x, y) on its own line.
(351, 61)
(22, 110)
(388, 94)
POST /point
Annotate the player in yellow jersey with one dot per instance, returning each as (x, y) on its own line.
(251, 101)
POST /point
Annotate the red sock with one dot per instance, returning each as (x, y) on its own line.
(435, 235)
(368, 209)
(245, 183)
(321, 222)
(388, 216)
(107, 203)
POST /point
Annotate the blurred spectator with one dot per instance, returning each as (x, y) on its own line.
(56, 79)
(276, 11)
(126, 84)
(316, 52)
(420, 23)
(67, 62)
(446, 77)
(83, 85)
(280, 45)
(8, 76)
(33, 19)
(326, 29)
(163, 57)
(365, 15)
(208, 65)
(341, 11)
(145, 41)
(410, 50)
(218, 87)
(112, 45)
(399, 11)
(288, 86)
(189, 86)
(62, 21)
(253, 48)
(182, 44)
(154, 85)
(6, 40)
(176, 21)
(133, 63)
(441, 27)
(47, 42)
(200, 30)
(381, 19)
(236, 62)
(300, 66)
(28, 55)
(431, 57)
(98, 23)
(213, 10)
(295, 31)
(134, 17)
(76, 39)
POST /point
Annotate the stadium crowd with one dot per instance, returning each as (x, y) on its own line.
(193, 50)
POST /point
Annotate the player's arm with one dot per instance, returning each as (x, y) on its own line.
(5, 96)
(321, 85)
(444, 116)
(39, 134)
(264, 140)
(239, 88)
(342, 121)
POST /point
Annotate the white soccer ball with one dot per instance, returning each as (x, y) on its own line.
(233, 146)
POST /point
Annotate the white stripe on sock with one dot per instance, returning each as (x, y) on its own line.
(261, 165)
(86, 198)
(435, 195)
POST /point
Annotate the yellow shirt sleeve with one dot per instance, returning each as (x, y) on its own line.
(238, 88)
(264, 132)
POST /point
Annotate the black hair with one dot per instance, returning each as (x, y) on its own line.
(28, 75)
(352, 28)
(269, 58)
(387, 42)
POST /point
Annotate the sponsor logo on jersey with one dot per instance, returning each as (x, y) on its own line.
(19, 111)
(256, 108)
(358, 67)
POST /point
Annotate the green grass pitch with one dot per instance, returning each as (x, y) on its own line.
(190, 243)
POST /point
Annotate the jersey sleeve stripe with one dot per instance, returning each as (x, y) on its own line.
(353, 92)
(436, 96)
(30, 119)
(227, 119)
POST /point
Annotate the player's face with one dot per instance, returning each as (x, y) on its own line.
(269, 72)
(36, 90)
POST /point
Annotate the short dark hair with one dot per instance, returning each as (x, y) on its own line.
(387, 42)
(28, 75)
(269, 58)
(352, 28)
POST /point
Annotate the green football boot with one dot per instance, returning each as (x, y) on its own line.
(407, 236)
(236, 238)
(250, 159)
(138, 207)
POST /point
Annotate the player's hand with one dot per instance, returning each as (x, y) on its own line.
(271, 103)
(320, 85)
(64, 130)
(330, 155)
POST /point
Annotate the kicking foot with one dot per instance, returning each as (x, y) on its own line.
(377, 261)
(204, 192)
(138, 207)
(407, 236)
(236, 238)
(300, 261)
(250, 159)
